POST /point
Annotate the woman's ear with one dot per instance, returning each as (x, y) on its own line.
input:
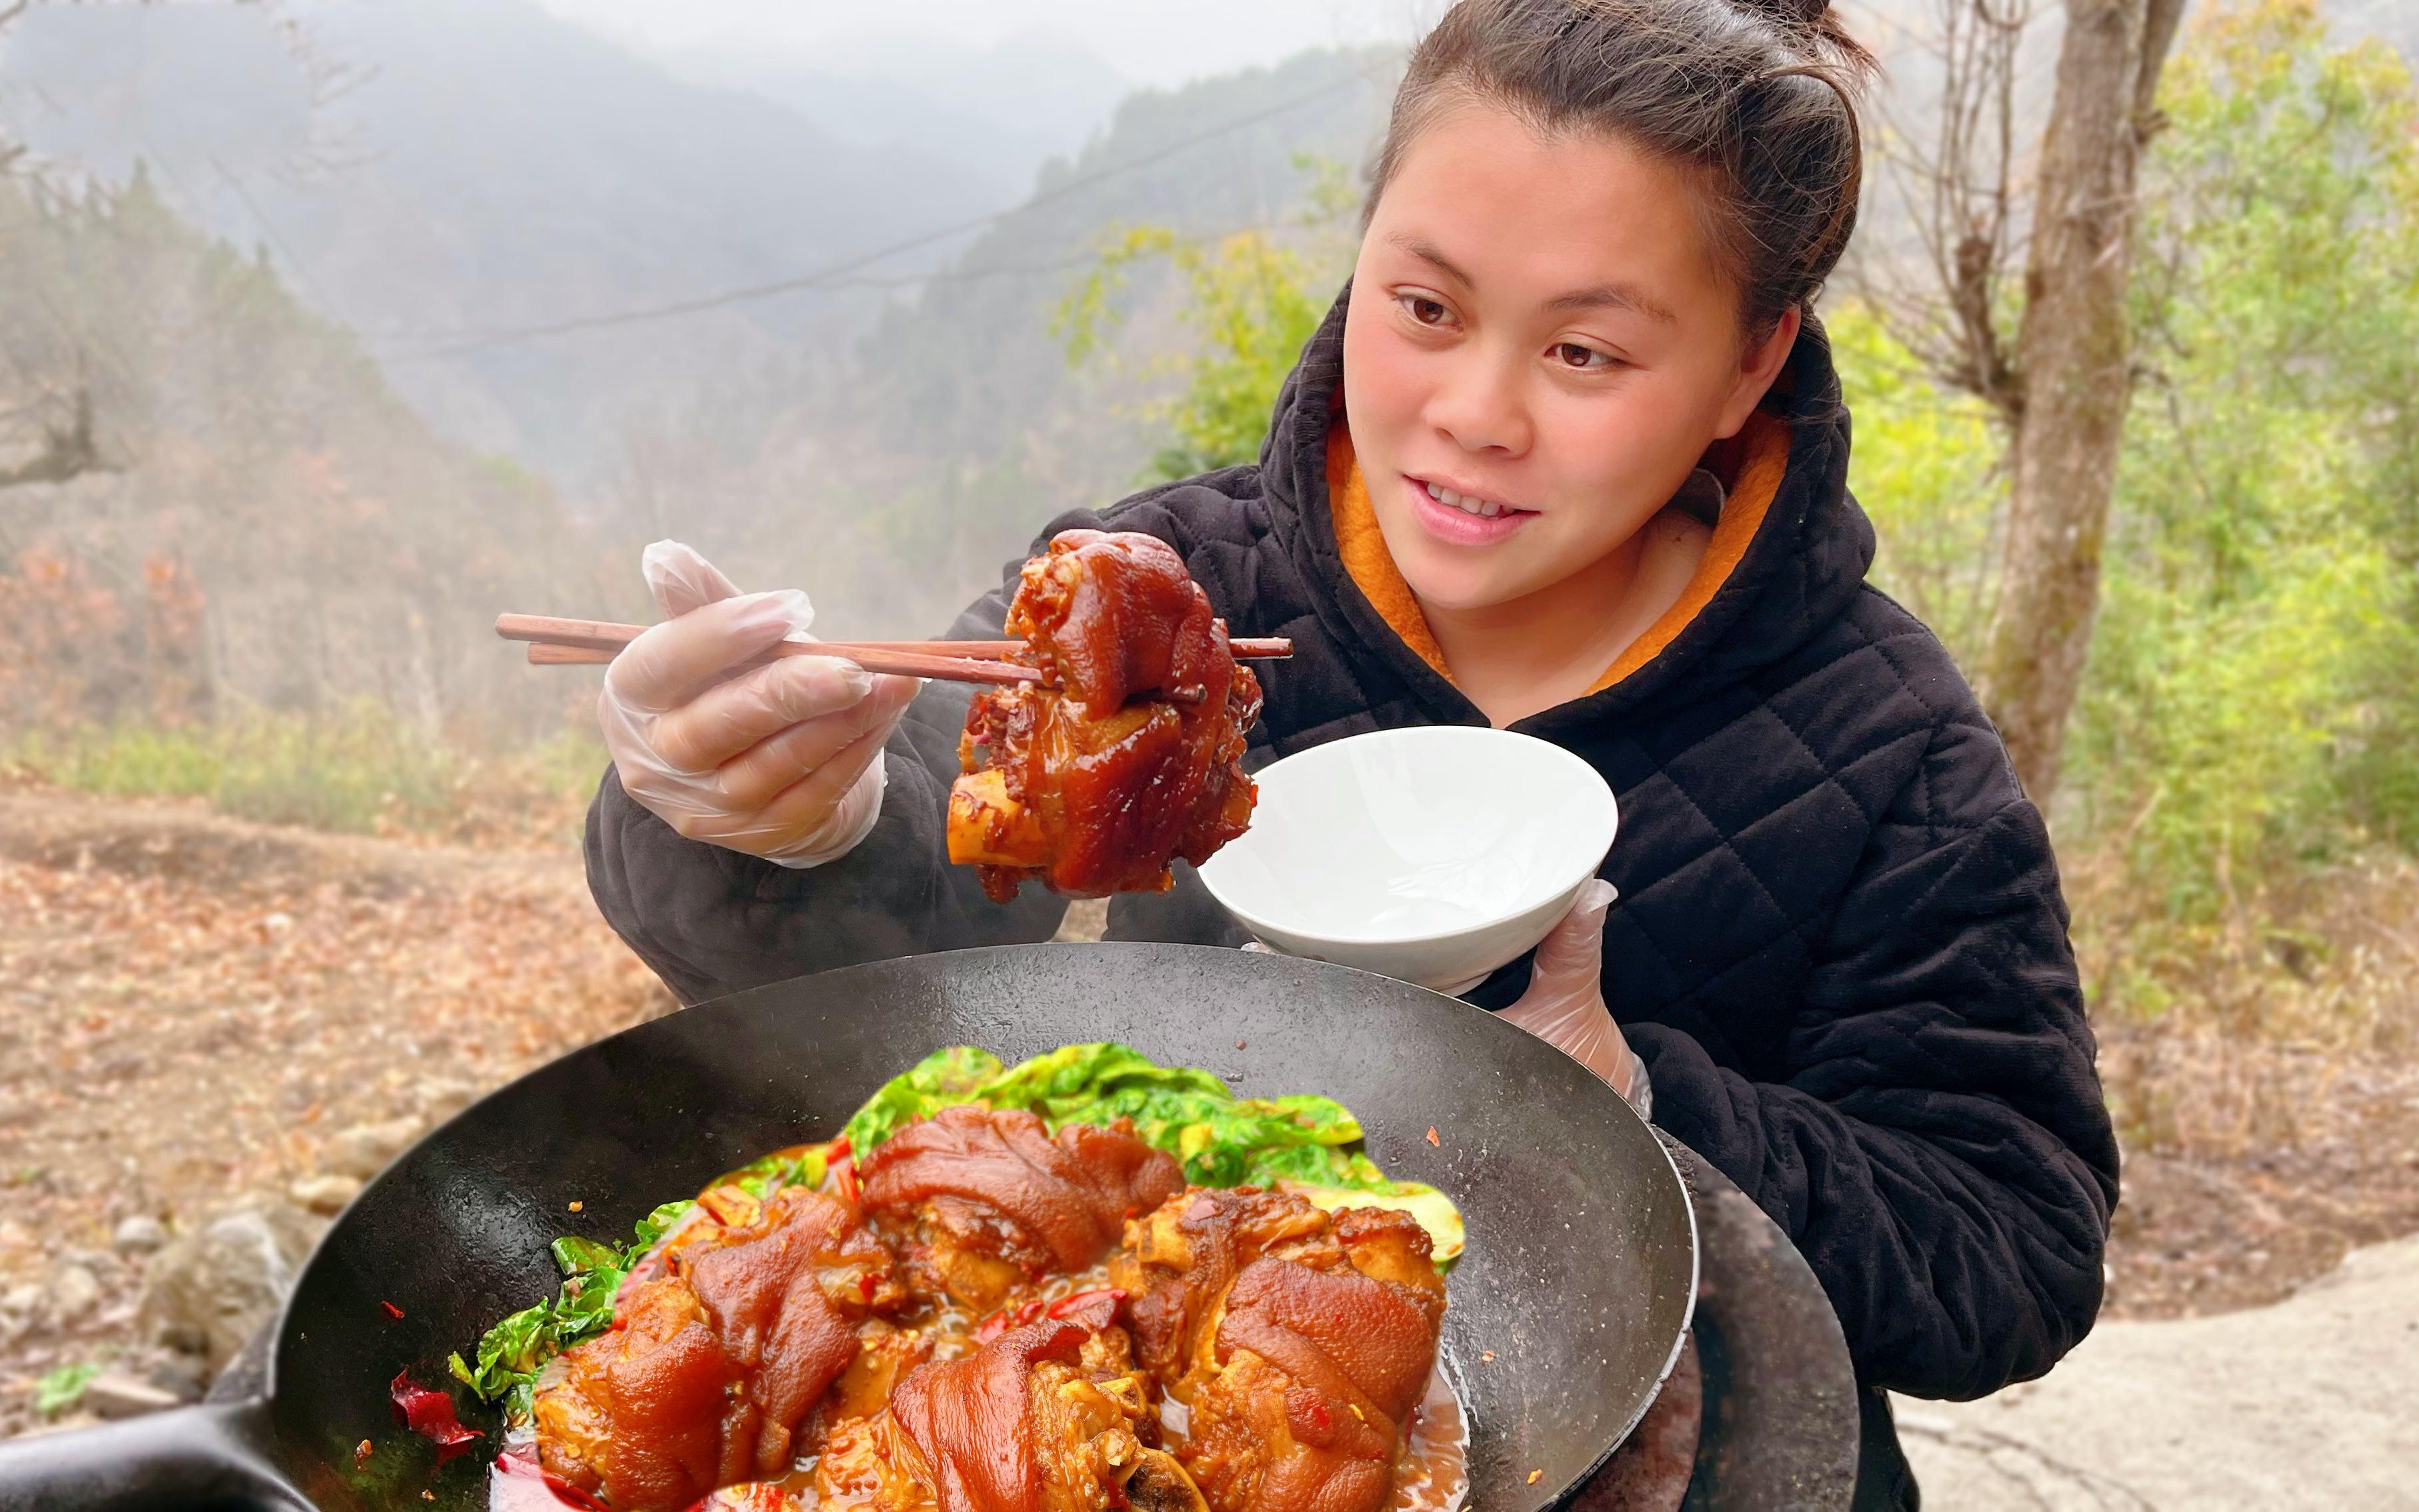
(1759, 365)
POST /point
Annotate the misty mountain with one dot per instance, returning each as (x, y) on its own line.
(266, 524)
(959, 425)
(435, 173)
(1000, 110)
(2393, 21)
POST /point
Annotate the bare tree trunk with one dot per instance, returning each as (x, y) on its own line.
(2074, 354)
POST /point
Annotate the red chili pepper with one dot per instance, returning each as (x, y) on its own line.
(391, 1310)
(865, 1286)
(844, 1177)
(1093, 1311)
(1000, 1322)
(430, 1414)
(839, 1148)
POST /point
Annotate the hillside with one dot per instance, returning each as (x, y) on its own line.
(959, 426)
(267, 525)
(432, 172)
(1000, 110)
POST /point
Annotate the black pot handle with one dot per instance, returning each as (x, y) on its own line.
(209, 1458)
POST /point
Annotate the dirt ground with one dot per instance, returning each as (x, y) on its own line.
(190, 1008)
(194, 1007)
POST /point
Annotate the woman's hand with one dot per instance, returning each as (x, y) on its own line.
(781, 761)
(1564, 1003)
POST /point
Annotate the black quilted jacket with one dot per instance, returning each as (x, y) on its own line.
(1840, 946)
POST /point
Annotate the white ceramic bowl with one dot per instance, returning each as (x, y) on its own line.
(1433, 854)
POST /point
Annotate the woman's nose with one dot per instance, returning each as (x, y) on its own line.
(1480, 406)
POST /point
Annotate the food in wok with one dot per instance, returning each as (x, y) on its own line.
(1086, 1281)
(1127, 752)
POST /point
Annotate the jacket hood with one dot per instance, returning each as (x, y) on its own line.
(1789, 553)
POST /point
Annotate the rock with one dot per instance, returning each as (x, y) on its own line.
(367, 1149)
(213, 1286)
(110, 1396)
(441, 1097)
(179, 1375)
(140, 1235)
(18, 1306)
(70, 1291)
(326, 1194)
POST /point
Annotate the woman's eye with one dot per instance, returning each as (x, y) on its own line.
(1571, 354)
(1425, 310)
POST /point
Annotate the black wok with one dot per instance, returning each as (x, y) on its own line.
(1579, 1280)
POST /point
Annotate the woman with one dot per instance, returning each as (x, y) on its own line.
(1567, 457)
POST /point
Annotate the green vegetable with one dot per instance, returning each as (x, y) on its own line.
(942, 1079)
(761, 1178)
(1221, 1139)
(659, 1223)
(511, 1354)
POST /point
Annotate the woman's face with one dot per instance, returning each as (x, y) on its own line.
(1539, 347)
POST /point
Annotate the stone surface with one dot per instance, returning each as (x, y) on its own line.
(2304, 1404)
(326, 1194)
(68, 1293)
(211, 1287)
(441, 1097)
(19, 1306)
(140, 1235)
(367, 1149)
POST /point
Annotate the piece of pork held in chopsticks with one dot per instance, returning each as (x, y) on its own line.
(981, 1203)
(1020, 1426)
(1300, 1343)
(713, 1367)
(1129, 754)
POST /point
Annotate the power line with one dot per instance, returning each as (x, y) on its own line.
(269, 227)
(829, 277)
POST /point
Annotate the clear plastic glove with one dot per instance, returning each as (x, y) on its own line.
(1564, 1003)
(781, 761)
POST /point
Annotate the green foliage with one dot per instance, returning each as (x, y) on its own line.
(2251, 704)
(1926, 468)
(1251, 300)
(1253, 305)
(2253, 696)
(358, 769)
(64, 1387)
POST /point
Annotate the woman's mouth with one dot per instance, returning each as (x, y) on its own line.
(1458, 519)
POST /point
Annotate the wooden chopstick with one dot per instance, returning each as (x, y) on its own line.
(564, 642)
(601, 640)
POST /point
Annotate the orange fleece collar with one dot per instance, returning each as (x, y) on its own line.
(1750, 466)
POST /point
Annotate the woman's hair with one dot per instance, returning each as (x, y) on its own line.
(1756, 99)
